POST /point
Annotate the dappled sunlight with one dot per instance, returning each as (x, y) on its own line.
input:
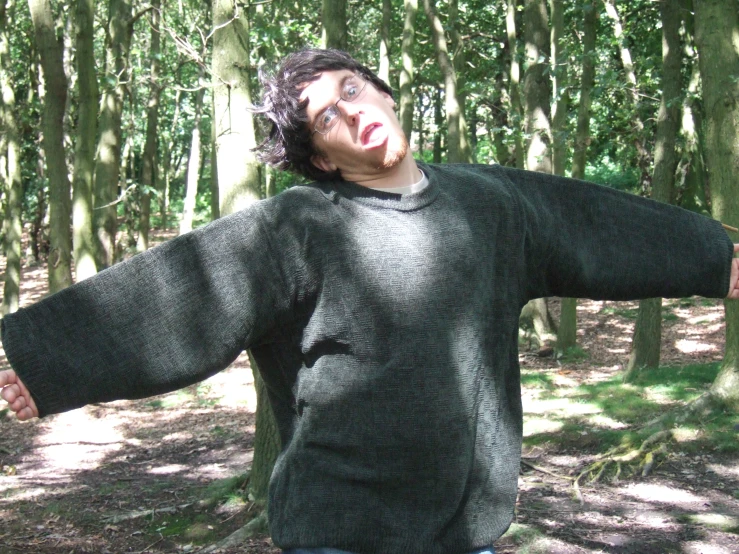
(725, 471)
(688, 346)
(562, 406)
(702, 547)
(169, 469)
(662, 494)
(535, 426)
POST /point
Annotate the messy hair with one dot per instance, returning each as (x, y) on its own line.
(288, 144)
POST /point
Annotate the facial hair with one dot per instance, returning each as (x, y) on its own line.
(395, 156)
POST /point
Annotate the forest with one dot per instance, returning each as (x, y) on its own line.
(126, 122)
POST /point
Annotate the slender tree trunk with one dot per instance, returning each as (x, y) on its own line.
(149, 161)
(13, 188)
(238, 180)
(514, 89)
(458, 148)
(169, 145)
(215, 198)
(238, 171)
(407, 69)
(333, 19)
(384, 65)
(60, 255)
(716, 32)
(439, 122)
(193, 167)
(567, 329)
(108, 161)
(645, 347)
(84, 159)
(537, 94)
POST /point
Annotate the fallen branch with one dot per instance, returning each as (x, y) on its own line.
(256, 526)
(542, 470)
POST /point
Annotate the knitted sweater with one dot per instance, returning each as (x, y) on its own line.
(385, 327)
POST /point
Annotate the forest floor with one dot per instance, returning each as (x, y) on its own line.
(157, 475)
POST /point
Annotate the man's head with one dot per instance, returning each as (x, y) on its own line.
(313, 83)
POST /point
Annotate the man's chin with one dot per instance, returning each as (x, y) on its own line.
(394, 156)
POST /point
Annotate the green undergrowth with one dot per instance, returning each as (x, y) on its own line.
(594, 417)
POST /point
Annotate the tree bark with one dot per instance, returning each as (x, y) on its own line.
(645, 347)
(407, 69)
(458, 149)
(50, 49)
(716, 30)
(149, 162)
(13, 188)
(333, 19)
(193, 168)
(384, 65)
(537, 94)
(238, 171)
(108, 161)
(84, 157)
(514, 87)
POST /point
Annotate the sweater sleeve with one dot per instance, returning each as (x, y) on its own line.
(589, 241)
(162, 320)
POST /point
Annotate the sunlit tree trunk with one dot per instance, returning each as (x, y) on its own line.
(407, 69)
(50, 49)
(717, 36)
(458, 147)
(537, 95)
(645, 347)
(84, 157)
(333, 20)
(193, 168)
(238, 180)
(108, 160)
(384, 65)
(567, 329)
(13, 187)
(149, 162)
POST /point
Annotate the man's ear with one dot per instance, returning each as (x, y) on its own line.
(322, 163)
(388, 99)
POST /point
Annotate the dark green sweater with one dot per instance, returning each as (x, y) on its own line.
(386, 329)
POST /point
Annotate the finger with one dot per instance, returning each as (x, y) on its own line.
(7, 377)
(25, 414)
(736, 247)
(19, 404)
(10, 393)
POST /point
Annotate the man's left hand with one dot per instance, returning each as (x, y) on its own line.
(734, 279)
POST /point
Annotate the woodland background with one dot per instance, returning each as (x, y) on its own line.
(123, 119)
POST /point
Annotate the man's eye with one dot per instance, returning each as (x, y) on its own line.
(350, 91)
(326, 118)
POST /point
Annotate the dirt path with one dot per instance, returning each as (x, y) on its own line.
(66, 479)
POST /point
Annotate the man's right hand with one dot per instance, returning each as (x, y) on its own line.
(15, 393)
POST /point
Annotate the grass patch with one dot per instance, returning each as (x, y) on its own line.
(573, 355)
(522, 535)
(227, 491)
(722, 522)
(627, 313)
(598, 416)
(200, 395)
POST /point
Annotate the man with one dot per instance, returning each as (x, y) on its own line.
(381, 303)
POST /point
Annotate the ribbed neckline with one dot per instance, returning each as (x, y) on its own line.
(380, 199)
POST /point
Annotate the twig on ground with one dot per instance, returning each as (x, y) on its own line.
(143, 513)
(542, 470)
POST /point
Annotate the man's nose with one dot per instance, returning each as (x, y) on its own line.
(350, 111)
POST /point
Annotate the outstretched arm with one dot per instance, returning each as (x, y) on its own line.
(15, 393)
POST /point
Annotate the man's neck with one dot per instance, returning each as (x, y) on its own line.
(404, 174)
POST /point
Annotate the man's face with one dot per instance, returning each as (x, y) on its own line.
(366, 141)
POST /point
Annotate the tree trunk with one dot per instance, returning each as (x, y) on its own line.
(458, 148)
(716, 29)
(84, 157)
(13, 188)
(108, 161)
(384, 65)
(333, 19)
(567, 329)
(407, 69)
(238, 178)
(645, 347)
(193, 168)
(537, 94)
(149, 161)
(60, 255)
(238, 171)
(514, 87)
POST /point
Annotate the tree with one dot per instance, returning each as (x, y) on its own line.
(645, 347)
(55, 82)
(537, 94)
(333, 18)
(152, 121)
(716, 29)
(11, 170)
(193, 168)
(514, 86)
(84, 156)
(108, 161)
(384, 65)
(458, 149)
(407, 68)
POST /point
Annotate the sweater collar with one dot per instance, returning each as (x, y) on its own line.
(354, 192)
